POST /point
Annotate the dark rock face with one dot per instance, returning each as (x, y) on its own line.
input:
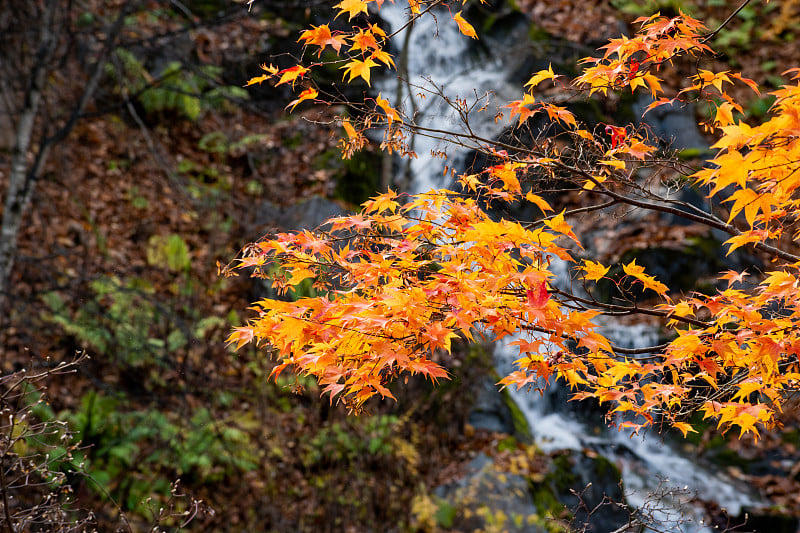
(487, 496)
(675, 124)
(766, 521)
(489, 412)
(589, 484)
(307, 214)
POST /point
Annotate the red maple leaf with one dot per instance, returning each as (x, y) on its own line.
(538, 296)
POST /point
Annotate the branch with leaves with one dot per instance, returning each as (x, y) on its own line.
(410, 274)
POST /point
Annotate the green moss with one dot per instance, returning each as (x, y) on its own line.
(791, 436)
(522, 430)
(445, 513)
(694, 153)
(358, 178)
(606, 468)
(537, 34)
(561, 475)
(507, 444)
(361, 179)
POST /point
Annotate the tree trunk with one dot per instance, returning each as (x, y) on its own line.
(23, 178)
(19, 176)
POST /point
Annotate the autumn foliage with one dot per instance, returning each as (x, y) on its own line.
(410, 274)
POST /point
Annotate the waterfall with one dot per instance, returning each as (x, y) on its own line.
(441, 59)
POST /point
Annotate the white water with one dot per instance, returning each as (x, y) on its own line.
(441, 59)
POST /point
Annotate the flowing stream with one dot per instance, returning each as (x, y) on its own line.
(441, 60)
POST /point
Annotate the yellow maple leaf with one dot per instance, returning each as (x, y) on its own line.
(384, 57)
(724, 115)
(356, 69)
(593, 270)
(538, 201)
(464, 26)
(540, 76)
(352, 8)
(257, 80)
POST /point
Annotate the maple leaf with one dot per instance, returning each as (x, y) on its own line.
(364, 40)
(391, 113)
(321, 36)
(349, 129)
(439, 336)
(724, 114)
(271, 69)
(537, 296)
(684, 428)
(539, 202)
(308, 94)
(356, 68)
(540, 76)
(561, 114)
(617, 135)
(352, 8)
(292, 74)
(256, 80)
(384, 57)
(637, 149)
(734, 277)
(464, 26)
(559, 225)
(517, 107)
(240, 336)
(594, 271)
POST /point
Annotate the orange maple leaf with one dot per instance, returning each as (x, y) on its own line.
(322, 37)
(308, 94)
(291, 74)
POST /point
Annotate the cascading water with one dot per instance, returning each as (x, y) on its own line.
(441, 60)
(649, 465)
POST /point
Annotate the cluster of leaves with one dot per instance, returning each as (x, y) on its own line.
(401, 281)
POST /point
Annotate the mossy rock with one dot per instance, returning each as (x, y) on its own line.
(594, 478)
(359, 178)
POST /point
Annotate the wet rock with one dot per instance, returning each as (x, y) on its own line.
(758, 520)
(486, 497)
(307, 214)
(675, 124)
(590, 486)
(495, 411)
